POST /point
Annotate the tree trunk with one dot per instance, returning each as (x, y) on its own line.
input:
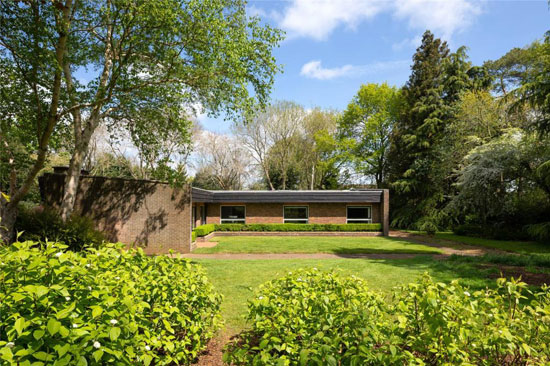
(8, 214)
(73, 176)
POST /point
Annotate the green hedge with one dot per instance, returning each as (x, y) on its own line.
(204, 230)
(298, 227)
(316, 318)
(102, 307)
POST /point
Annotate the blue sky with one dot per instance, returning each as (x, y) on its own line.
(334, 46)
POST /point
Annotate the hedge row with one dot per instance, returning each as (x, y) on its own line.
(316, 318)
(99, 307)
(204, 230)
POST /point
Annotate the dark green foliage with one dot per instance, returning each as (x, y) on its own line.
(315, 318)
(298, 227)
(415, 178)
(45, 224)
(102, 307)
(539, 232)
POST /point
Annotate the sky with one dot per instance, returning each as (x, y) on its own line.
(334, 46)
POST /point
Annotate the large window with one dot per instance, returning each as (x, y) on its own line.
(359, 214)
(296, 214)
(233, 214)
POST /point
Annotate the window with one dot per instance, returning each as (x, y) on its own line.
(359, 215)
(233, 214)
(296, 214)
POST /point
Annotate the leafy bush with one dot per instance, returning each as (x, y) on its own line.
(539, 232)
(204, 230)
(193, 236)
(46, 225)
(99, 307)
(313, 318)
(307, 317)
(298, 227)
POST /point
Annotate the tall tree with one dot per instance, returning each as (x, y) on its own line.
(33, 43)
(420, 128)
(270, 137)
(535, 86)
(146, 61)
(222, 163)
(366, 126)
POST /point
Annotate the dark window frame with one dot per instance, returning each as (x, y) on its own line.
(299, 220)
(232, 220)
(367, 220)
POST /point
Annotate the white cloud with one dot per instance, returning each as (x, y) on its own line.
(443, 17)
(315, 70)
(317, 19)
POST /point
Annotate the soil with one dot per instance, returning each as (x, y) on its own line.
(530, 278)
(212, 356)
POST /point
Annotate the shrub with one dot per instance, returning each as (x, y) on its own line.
(298, 227)
(193, 236)
(313, 318)
(307, 318)
(539, 232)
(101, 307)
(204, 230)
(46, 225)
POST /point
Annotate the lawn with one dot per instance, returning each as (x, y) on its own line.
(315, 244)
(506, 245)
(237, 279)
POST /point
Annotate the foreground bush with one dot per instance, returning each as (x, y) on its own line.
(44, 224)
(309, 318)
(313, 318)
(102, 307)
(298, 227)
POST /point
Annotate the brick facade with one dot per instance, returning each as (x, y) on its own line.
(272, 213)
(148, 214)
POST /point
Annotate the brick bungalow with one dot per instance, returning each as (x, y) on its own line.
(160, 218)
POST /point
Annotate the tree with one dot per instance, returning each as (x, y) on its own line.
(147, 62)
(366, 126)
(222, 163)
(270, 136)
(535, 86)
(510, 70)
(33, 41)
(414, 172)
(502, 175)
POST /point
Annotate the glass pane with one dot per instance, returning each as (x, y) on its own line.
(233, 212)
(296, 213)
(358, 212)
(365, 221)
(296, 221)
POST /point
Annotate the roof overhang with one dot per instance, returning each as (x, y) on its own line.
(321, 196)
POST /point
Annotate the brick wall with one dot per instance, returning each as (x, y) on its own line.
(272, 213)
(142, 213)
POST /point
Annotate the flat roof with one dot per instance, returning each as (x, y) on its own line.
(287, 196)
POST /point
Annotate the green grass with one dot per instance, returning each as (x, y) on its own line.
(237, 279)
(315, 244)
(506, 245)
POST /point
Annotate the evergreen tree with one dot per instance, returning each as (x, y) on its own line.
(421, 126)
